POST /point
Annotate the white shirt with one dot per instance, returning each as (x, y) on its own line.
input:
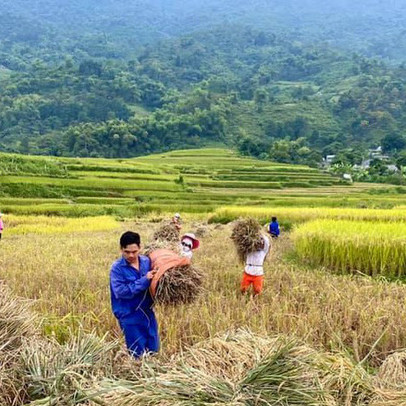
(187, 254)
(255, 260)
(186, 251)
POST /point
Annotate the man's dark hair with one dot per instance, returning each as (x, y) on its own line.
(274, 218)
(128, 238)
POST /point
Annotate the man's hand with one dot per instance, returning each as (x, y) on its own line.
(151, 274)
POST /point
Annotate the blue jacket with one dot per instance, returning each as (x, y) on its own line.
(274, 228)
(130, 298)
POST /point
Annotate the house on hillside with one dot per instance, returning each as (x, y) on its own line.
(374, 152)
(365, 164)
(328, 160)
(392, 168)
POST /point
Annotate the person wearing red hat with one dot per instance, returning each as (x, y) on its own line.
(188, 243)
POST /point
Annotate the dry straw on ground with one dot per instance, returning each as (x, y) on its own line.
(244, 369)
(37, 371)
(392, 373)
(239, 368)
(277, 372)
(247, 237)
(62, 375)
(17, 325)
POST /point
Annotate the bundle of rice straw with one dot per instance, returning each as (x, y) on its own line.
(390, 382)
(392, 373)
(179, 285)
(18, 325)
(177, 281)
(167, 236)
(247, 237)
(162, 244)
(167, 232)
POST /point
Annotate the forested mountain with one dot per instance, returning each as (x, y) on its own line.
(124, 78)
(116, 28)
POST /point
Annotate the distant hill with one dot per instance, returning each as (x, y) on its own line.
(97, 27)
(122, 79)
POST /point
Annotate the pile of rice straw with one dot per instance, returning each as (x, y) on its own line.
(242, 369)
(179, 285)
(392, 373)
(167, 232)
(167, 236)
(202, 231)
(247, 237)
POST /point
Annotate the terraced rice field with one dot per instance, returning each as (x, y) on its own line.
(194, 181)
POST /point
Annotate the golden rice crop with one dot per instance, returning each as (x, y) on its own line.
(17, 225)
(369, 248)
(302, 214)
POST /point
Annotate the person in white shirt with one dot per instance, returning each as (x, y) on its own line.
(254, 268)
(188, 243)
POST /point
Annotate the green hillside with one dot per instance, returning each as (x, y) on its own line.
(232, 85)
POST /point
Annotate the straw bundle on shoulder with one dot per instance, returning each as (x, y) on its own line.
(176, 280)
(162, 244)
(247, 237)
(179, 285)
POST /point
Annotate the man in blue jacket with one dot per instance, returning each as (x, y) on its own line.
(130, 277)
(274, 228)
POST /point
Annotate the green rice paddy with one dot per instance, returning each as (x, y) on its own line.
(193, 181)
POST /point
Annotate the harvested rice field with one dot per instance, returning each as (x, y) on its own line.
(328, 329)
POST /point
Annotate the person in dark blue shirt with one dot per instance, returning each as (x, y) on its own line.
(131, 301)
(274, 228)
